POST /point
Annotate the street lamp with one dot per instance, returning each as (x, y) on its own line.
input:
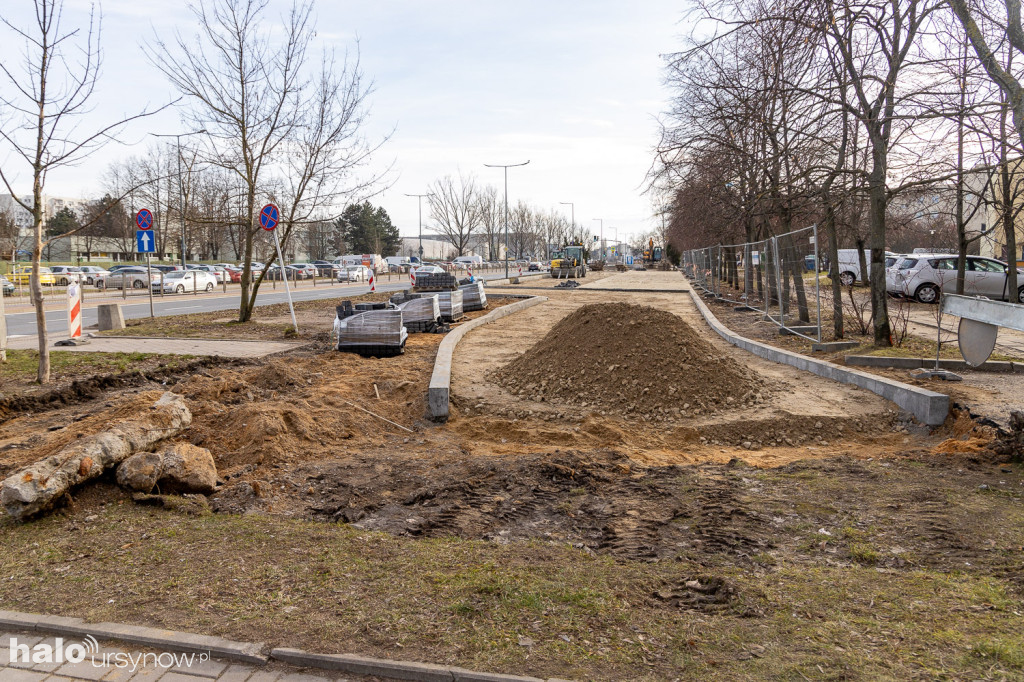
(602, 236)
(419, 198)
(506, 167)
(181, 187)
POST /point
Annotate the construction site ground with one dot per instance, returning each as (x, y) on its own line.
(774, 525)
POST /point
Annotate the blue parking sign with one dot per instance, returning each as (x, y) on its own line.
(145, 242)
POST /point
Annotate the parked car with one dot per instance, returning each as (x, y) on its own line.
(324, 268)
(122, 266)
(185, 281)
(353, 273)
(91, 272)
(534, 266)
(293, 272)
(925, 276)
(23, 273)
(7, 286)
(429, 270)
(308, 269)
(135, 277)
(65, 274)
(849, 265)
(167, 268)
(219, 273)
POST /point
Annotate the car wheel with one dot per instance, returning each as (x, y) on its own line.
(927, 293)
(209, 286)
(100, 284)
(1020, 295)
(847, 279)
(137, 284)
(63, 282)
(180, 289)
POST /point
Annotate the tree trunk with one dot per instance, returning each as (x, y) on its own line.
(876, 271)
(833, 269)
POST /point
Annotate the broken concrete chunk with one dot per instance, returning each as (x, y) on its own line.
(37, 488)
(175, 468)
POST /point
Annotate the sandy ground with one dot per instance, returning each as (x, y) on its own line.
(812, 411)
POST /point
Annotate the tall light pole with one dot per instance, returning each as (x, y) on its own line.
(572, 212)
(420, 201)
(506, 167)
(181, 187)
(602, 235)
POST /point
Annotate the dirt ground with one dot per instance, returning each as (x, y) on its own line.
(794, 475)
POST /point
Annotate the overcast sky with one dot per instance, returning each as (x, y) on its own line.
(573, 87)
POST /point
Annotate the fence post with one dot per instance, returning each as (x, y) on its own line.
(817, 277)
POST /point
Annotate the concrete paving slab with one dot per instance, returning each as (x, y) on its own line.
(641, 280)
(136, 344)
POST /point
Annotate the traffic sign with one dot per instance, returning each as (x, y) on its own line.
(144, 219)
(145, 242)
(270, 216)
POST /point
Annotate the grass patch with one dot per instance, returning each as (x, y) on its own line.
(21, 363)
(446, 600)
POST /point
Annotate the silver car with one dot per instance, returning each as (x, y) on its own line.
(184, 281)
(925, 276)
(134, 277)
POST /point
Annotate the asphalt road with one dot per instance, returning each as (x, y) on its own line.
(24, 323)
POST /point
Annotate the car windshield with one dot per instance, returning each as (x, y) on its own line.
(176, 274)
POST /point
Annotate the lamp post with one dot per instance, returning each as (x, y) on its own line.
(572, 212)
(419, 198)
(506, 167)
(181, 187)
(602, 236)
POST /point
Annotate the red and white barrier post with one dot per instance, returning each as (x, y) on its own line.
(373, 282)
(469, 271)
(412, 276)
(75, 310)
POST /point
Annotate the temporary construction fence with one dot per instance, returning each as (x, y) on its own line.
(779, 276)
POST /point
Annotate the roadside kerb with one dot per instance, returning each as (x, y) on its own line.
(928, 407)
(166, 640)
(441, 380)
(506, 280)
(252, 653)
(604, 291)
(928, 363)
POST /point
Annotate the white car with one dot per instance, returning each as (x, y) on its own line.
(92, 272)
(925, 276)
(185, 281)
(353, 273)
(429, 270)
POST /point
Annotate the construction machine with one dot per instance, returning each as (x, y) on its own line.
(568, 262)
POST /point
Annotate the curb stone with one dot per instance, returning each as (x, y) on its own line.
(169, 640)
(441, 378)
(928, 407)
(249, 652)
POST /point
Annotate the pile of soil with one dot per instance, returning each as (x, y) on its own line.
(634, 360)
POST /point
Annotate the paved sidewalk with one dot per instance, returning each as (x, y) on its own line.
(226, 348)
(640, 280)
(116, 664)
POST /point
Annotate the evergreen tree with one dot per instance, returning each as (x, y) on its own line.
(366, 229)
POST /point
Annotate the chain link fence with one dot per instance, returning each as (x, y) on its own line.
(779, 276)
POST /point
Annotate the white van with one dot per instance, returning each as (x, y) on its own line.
(849, 265)
(469, 260)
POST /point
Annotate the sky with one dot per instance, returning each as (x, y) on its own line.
(573, 87)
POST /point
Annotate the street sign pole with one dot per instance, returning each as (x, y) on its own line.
(284, 277)
(149, 277)
(3, 330)
(270, 215)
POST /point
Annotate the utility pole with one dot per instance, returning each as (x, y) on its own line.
(506, 167)
(420, 202)
(181, 188)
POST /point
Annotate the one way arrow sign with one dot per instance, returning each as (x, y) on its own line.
(144, 240)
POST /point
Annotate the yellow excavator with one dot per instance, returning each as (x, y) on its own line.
(568, 262)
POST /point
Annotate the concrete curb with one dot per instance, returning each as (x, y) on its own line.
(167, 640)
(944, 363)
(506, 280)
(928, 407)
(441, 380)
(251, 653)
(603, 291)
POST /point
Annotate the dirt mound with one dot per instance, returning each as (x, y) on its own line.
(635, 360)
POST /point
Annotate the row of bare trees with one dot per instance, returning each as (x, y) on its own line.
(469, 215)
(879, 120)
(268, 119)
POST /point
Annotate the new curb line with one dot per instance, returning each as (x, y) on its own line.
(928, 407)
(441, 380)
(249, 652)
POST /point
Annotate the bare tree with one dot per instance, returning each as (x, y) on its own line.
(244, 88)
(492, 218)
(41, 108)
(455, 206)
